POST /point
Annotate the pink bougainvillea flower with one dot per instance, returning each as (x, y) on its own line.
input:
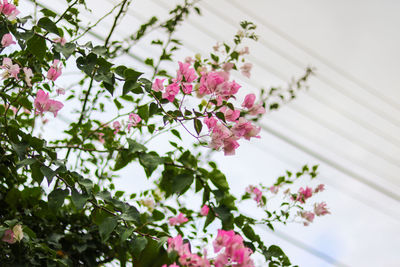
(209, 82)
(257, 109)
(61, 40)
(252, 190)
(158, 85)
(319, 188)
(171, 91)
(117, 126)
(10, 69)
(308, 216)
(60, 91)
(227, 66)
(230, 146)
(9, 10)
(245, 69)
(244, 128)
(204, 210)
(185, 71)
(304, 194)
(8, 237)
(43, 103)
(134, 119)
(244, 51)
(320, 209)
(249, 101)
(230, 115)
(274, 189)
(7, 40)
(210, 122)
(28, 75)
(101, 139)
(55, 70)
(177, 220)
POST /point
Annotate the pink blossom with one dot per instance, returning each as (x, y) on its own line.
(304, 194)
(249, 101)
(55, 70)
(8, 237)
(43, 103)
(60, 91)
(158, 85)
(219, 133)
(274, 189)
(320, 209)
(244, 51)
(222, 240)
(204, 210)
(185, 71)
(61, 40)
(210, 122)
(171, 91)
(101, 139)
(230, 145)
(134, 119)
(28, 75)
(227, 66)
(187, 88)
(245, 69)
(308, 216)
(230, 115)
(319, 188)
(189, 60)
(7, 40)
(117, 126)
(10, 69)
(209, 82)
(244, 128)
(227, 89)
(252, 190)
(257, 109)
(177, 220)
(9, 10)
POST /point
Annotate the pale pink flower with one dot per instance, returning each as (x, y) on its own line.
(319, 188)
(9, 10)
(227, 66)
(28, 75)
(189, 60)
(204, 210)
(245, 69)
(252, 190)
(308, 216)
(43, 103)
(101, 139)
(230, 145)
(244, 128)
(10, 69)
(158, 85)
(257, 109)
(134, 119)
(304, 194)
(61, 40)
(177, 220)
(210, 122)
(55, 70)
(320, 209)
(7, 40)
(8, 237)
(244, 51)
(216, 46)
(274, 189)
(171, 91)
(230, 115)
(60, 91)
(117, 126)
(249, 101)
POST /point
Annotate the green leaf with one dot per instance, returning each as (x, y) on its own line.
(56, 198)
(176, 133)
(126, 234)
(49, 173)
(182, 182)
(219, 179)
(131, 85)
(135, 146)
(107, 226)
(78, 199)
(48, 25)
(150, 162)
(37, 46)
(26, 162)
(138, 245)
(197, 126)
(123, 158)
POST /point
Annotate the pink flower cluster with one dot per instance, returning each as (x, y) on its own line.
(13, 235)
(304, 194)
(229, 246)
(252, 190)
(9, 10)
(7, 40)
(186, 258)
(134, 119)
(55, 70)
(43, 103)
(215, 85)
(320, 209)
(12, 70)
(177, 220)
(234, 253)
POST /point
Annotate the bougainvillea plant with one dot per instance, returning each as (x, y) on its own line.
(59, 203)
